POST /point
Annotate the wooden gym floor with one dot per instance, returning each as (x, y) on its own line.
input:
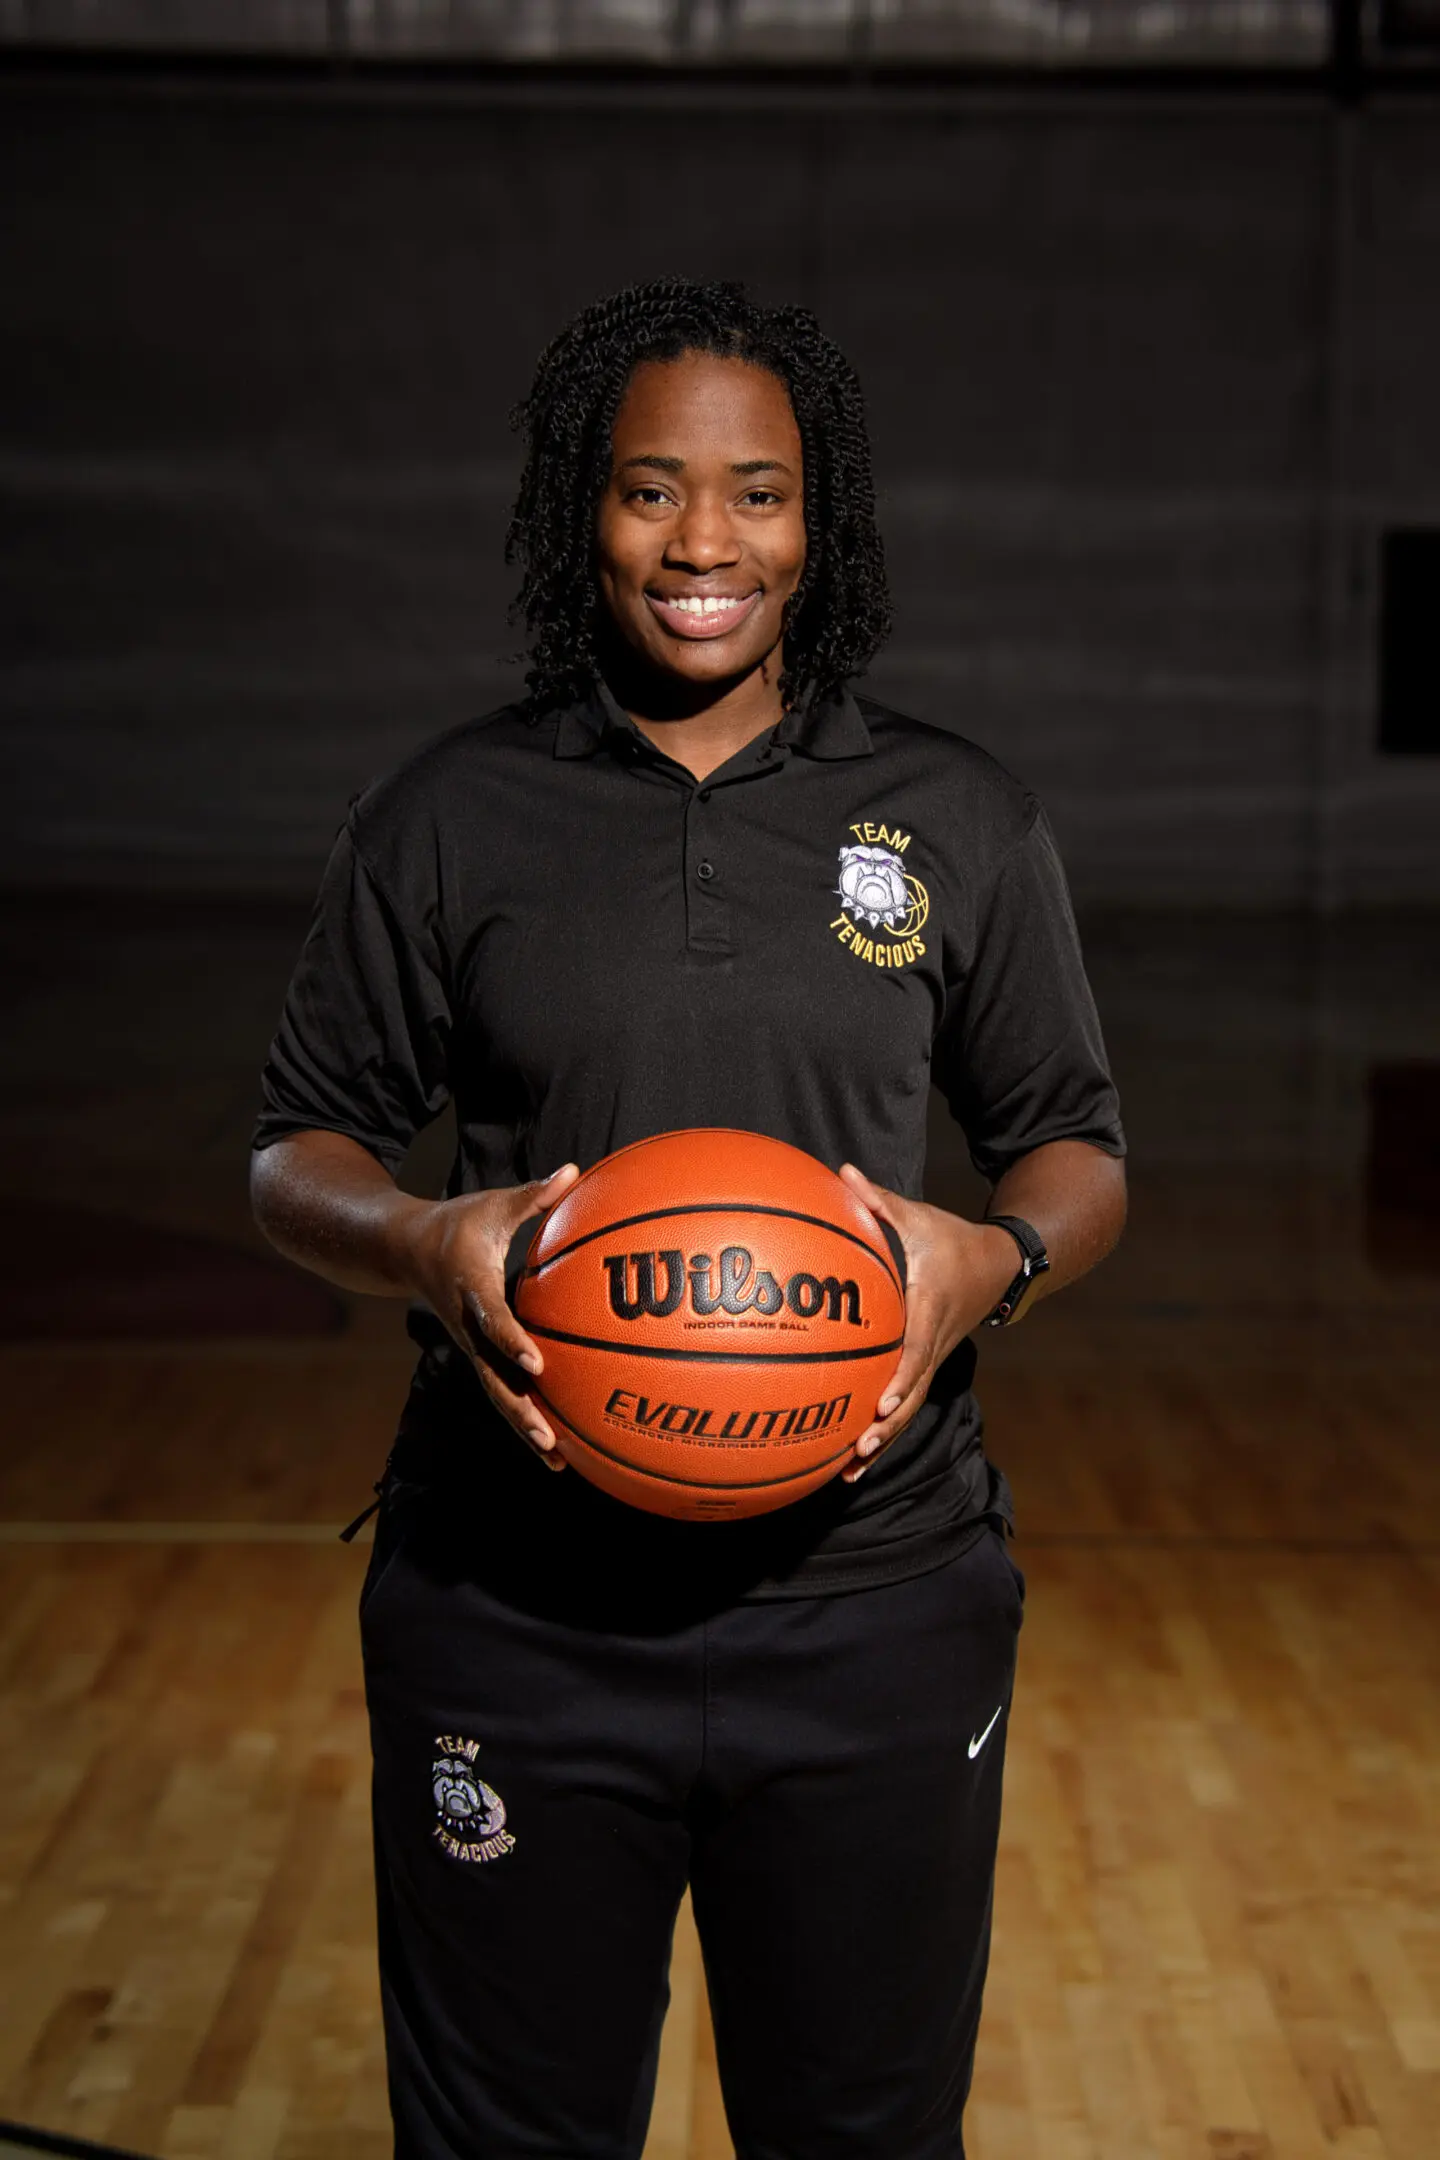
(1218, 1926)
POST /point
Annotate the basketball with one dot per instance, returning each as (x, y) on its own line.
(719, 1316)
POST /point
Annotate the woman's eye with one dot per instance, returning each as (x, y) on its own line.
(761, 496)
(649, 495)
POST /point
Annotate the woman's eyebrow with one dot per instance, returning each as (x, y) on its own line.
(655, 463)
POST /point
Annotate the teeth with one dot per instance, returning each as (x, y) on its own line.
(698, 605)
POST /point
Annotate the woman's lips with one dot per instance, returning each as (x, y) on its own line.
(688, 622)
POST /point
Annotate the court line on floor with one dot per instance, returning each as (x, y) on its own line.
(27, 2138)
(172, 1533)
(1200, 1541)
(324, 1533)
(212, 1349)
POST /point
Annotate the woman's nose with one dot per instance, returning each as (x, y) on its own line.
(703, 539)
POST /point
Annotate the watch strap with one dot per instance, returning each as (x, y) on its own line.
(1034, 1260)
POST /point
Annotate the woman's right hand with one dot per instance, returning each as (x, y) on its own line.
(455, 1257)
(327, 1203)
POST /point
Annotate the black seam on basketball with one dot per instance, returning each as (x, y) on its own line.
(665, 1477)
(710, 1485)
(713, 1207)
(715, 1357)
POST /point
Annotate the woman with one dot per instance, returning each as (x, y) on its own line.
(692, 880)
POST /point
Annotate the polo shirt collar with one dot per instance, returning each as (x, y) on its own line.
(834, 729)
(585, 724)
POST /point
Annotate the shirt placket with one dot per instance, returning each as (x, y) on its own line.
(706, 874)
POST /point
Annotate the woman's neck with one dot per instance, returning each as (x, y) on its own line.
(699, 728)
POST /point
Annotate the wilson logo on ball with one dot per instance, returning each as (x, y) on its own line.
(733, 1286)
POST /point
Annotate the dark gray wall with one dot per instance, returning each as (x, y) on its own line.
(1146, 381)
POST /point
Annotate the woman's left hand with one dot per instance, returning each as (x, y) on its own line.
(956, 1274)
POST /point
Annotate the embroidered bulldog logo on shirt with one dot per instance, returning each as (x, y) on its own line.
(883, 907)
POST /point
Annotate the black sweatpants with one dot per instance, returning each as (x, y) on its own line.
(825, 1774)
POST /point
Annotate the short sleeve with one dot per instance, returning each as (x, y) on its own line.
(1019, 1056)
(362, 1046)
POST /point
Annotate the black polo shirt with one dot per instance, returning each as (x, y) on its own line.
(550, 923)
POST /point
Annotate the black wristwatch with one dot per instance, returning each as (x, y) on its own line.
(1033, 1261)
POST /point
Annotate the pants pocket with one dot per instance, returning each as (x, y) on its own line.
(1014, 1576)
(389, 1538)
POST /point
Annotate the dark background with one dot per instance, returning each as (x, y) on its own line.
(1150, 377)
(1151, 338)
(1145, 297)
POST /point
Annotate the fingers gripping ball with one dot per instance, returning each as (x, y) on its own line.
(719, 1315)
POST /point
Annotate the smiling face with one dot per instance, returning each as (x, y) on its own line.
(700, 537)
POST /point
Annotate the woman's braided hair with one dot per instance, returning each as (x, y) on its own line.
(839, 614)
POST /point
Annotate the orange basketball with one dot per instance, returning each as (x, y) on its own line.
(719, 1315)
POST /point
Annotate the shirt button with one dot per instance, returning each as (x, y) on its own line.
(704, 794)
(705, 871)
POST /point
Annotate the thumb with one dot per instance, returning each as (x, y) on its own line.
(542, 1193)
(876, 1197)
(894, 1215)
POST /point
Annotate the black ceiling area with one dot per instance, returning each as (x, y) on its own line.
(1049, 37)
